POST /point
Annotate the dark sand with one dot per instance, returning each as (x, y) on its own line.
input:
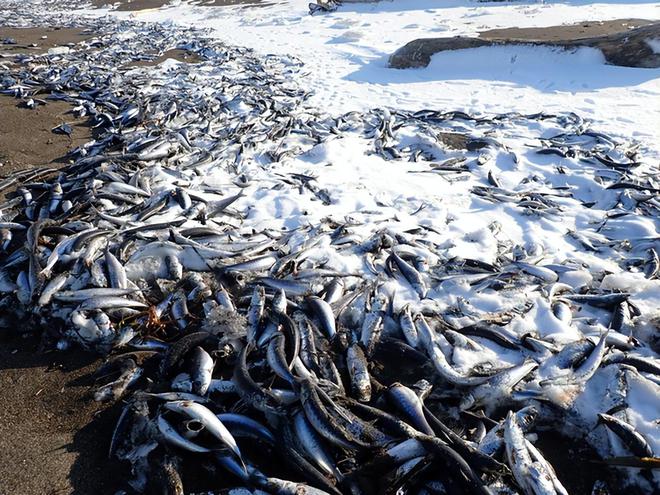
(176, 54)
(26, 137)
(589, 29)
(51, 440)
(30, 39)
(134, 5)
(53, 437)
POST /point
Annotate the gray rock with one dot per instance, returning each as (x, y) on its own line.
(627, 48)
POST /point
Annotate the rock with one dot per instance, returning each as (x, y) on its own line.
(418, 52)
(620, 45)
(630, 49)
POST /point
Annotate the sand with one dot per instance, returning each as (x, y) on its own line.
(30, 40)
(135, 5)
(176, 54)
(26, 137)
(52, 441)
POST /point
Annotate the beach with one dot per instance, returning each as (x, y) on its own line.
(55, 438)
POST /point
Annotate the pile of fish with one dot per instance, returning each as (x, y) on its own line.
(314, 353)
(324, 6)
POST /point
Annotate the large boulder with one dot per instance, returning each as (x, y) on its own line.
(625, 43)
(418, 52)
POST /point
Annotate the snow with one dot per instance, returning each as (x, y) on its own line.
(345, 55)
(654, 43)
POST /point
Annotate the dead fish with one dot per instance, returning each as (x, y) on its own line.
(63, 128)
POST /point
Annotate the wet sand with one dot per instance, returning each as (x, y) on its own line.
(26, 137)
(53, 437)
(176, 54)
(31, 40)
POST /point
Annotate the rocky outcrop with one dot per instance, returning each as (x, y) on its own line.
(418, 52)
(621, 44)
